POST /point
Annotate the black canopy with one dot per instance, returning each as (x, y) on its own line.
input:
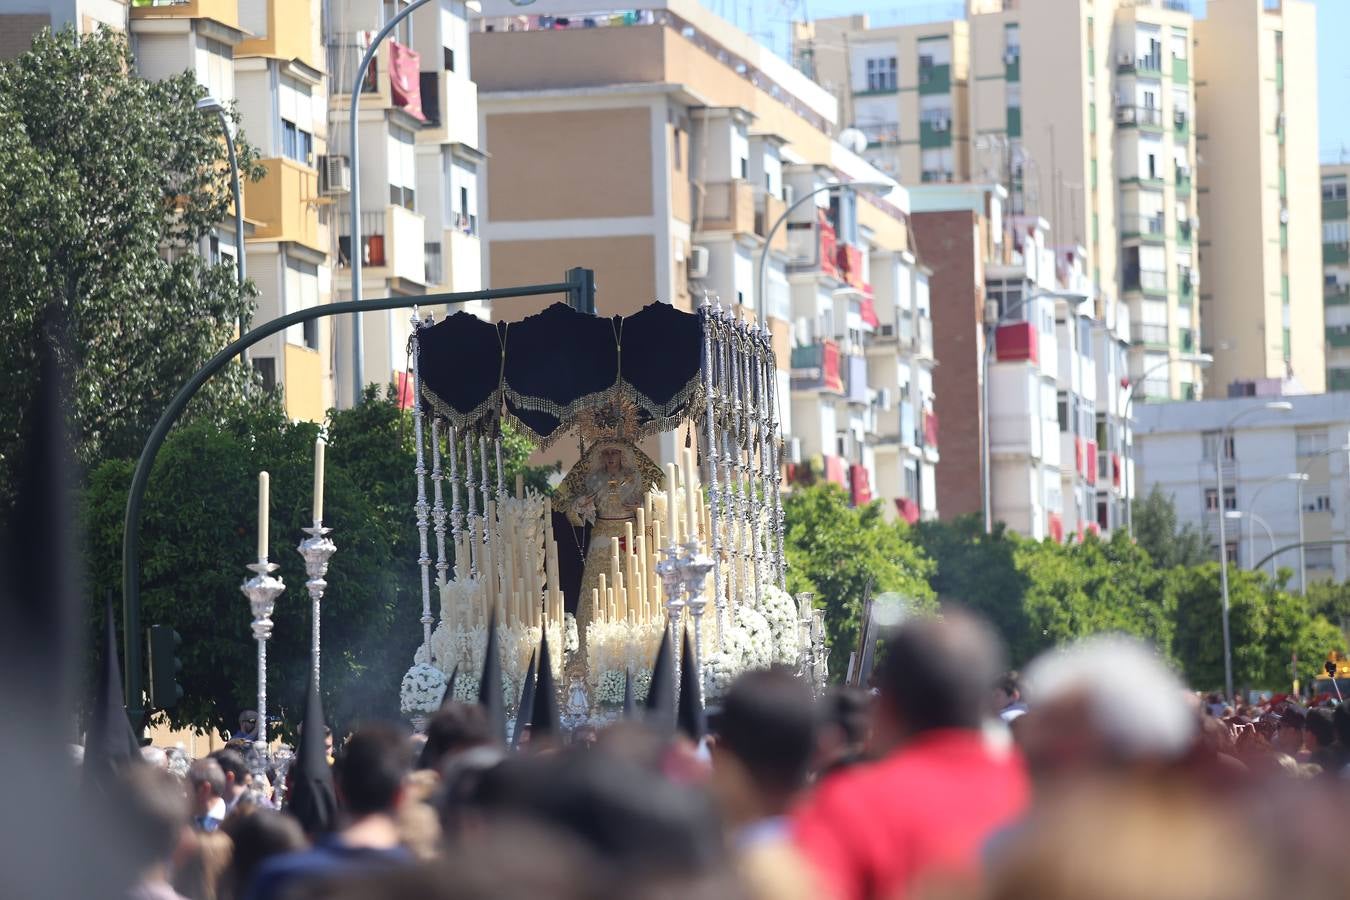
(544, 371)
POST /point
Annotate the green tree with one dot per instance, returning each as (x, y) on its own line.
(109, 184)
(1332, 600)
(1155, 528)
(978, 571)
(199, 531)
(834, 550)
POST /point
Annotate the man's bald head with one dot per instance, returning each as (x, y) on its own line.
(937, 673)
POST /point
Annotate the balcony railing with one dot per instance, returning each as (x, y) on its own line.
(817, 367)
(1143, 116)
(881, 133)
(729, 206)
(1149, 335)
(1143, 226)
(372, 239)
(1146, 280)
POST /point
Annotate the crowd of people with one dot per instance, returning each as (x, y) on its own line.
(1094, 774)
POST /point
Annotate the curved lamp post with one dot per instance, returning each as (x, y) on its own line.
(355, 249)
(212, 106)
(992, 322)
(1303, 556)
(1251, 517)
(1224, 435)
(1200, 360)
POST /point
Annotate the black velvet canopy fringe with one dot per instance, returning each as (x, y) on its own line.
(544, 372)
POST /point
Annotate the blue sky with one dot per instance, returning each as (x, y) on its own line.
(768, 19)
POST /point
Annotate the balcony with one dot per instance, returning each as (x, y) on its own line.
(1145, 66)
(909, 430)
(288, 35)
(1186, 342)
(434, 264)
(282, 202)
(1090, 461)
(882, 134)
(1183, 181)
(935, 79)
(855, 386)
(1012, 67)
(1144, 228)
(828, 245)
(1185, 289)
(1146, 335)
(1017, 342)
(935, 131)
(1336, 295)
(391, 240)
(225, 12)
(1145, 281)
(1181, 126)
(769, 209)
(463, 259)
(860, 490)
(393, 79)
(1147, 118)
(849, 262)
(923, 336)
(1335, 209)
(1185, 232)
(1181, 71)
(450, 104)
(815, 367)
(1338, 336)
(1335, 254)
(729, 206)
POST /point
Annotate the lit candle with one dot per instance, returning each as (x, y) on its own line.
(670, 497)
(690, 510)
(319, 446)
(264, 497)
(614, 562)
(595, 605)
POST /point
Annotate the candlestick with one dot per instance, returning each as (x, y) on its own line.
(520, 486)
(316, 551)
(671, 486)
(689, 487)
(264, 501)
(262, 591)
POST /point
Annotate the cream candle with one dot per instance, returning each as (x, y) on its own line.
(319, 446)
(264, 502)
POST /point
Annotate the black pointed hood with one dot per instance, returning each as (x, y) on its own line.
(526, 708)
(449, 696)
(490, 684)
(629, 696)
(312, 799)
(660, 702)
(544, 719)
(690, 720)
(110, 742)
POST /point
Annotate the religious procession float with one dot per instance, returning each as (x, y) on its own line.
(624, 551)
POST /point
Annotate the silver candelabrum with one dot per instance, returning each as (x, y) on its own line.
(262, 591)
(316, 551)
(694, 567)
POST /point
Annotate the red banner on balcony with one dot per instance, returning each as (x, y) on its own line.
(405, 389)
(1017, 341)
(858, 484)
(1055, 526)
(832, 379)
(930, 429)
(908, 509)
(1115, 469)
(405, 79)
(828, 249)
(1090, 473)
(850, 265)
(835, 471)
(867, 308)
(1078, 452)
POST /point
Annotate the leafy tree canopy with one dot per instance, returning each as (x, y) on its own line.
(1156, 529)
(109, 185)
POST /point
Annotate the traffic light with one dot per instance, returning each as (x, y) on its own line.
(165, 691)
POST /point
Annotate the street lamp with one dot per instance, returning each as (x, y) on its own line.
(1302, 554)
(1252, 517)
(355, 249)
(992, 321)
(1272, 406)
(1199, 360)
(869, 187)
(212, 105)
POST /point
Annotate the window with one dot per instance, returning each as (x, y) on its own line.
(1229, 499)
(1211, 445)
(1103, 513)
(679, 149)
(881, 73)
(296, 107)
(302, 292)
(1012, 42)
(1179, 45)
(1063, 411)
(1308, 443)
(449, 59)
(402, 168)
(1334, 189)
(215, 68)
(1335, 232)
(1318, 557)
(1317, 499)
(266, 367)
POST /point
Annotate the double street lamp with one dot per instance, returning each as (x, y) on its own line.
(992, 321)
(1225, 435)
(1200, 360)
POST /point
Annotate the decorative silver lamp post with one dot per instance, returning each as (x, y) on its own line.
(316, 550)
(262, 591)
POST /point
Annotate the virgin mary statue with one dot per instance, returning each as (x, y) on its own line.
(601, 494)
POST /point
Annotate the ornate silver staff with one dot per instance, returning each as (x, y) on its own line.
(750, 380)
(473, 506)
(693, 570)
(262, 591)
(777, 527)
(438, 512)
(420, 507)
(316, 551)
(727, 436)
(710, 457)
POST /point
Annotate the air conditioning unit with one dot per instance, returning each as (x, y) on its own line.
(886, 331)
(335, 175)
(1179, 116)
(1284, 215)
(698, 262)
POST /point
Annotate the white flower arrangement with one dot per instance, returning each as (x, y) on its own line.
(780, 611)
(616, 646)
(758, 652)
(422, 689)
(572, 639)
(609, 691)
(466, 689)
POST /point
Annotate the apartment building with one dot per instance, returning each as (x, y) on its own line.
(1336, 274)
(1083, 110)
(20, 20)
(1256, 68)
(1286, 476)
(1058, 426)
(662, 147)
(287, 67)
(905, 88)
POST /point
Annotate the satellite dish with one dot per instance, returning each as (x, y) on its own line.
(853, 139)
(521, 2)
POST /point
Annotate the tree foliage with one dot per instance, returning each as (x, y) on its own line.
(108, 185)
(834, 550)
(978, 571)
(1156, 529)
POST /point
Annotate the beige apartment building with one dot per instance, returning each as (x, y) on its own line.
(1083, 110)
(660, 146)
(1336, 273)
(905, 88)
(1261, 293)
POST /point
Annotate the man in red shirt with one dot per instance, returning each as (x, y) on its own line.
(926, 808)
